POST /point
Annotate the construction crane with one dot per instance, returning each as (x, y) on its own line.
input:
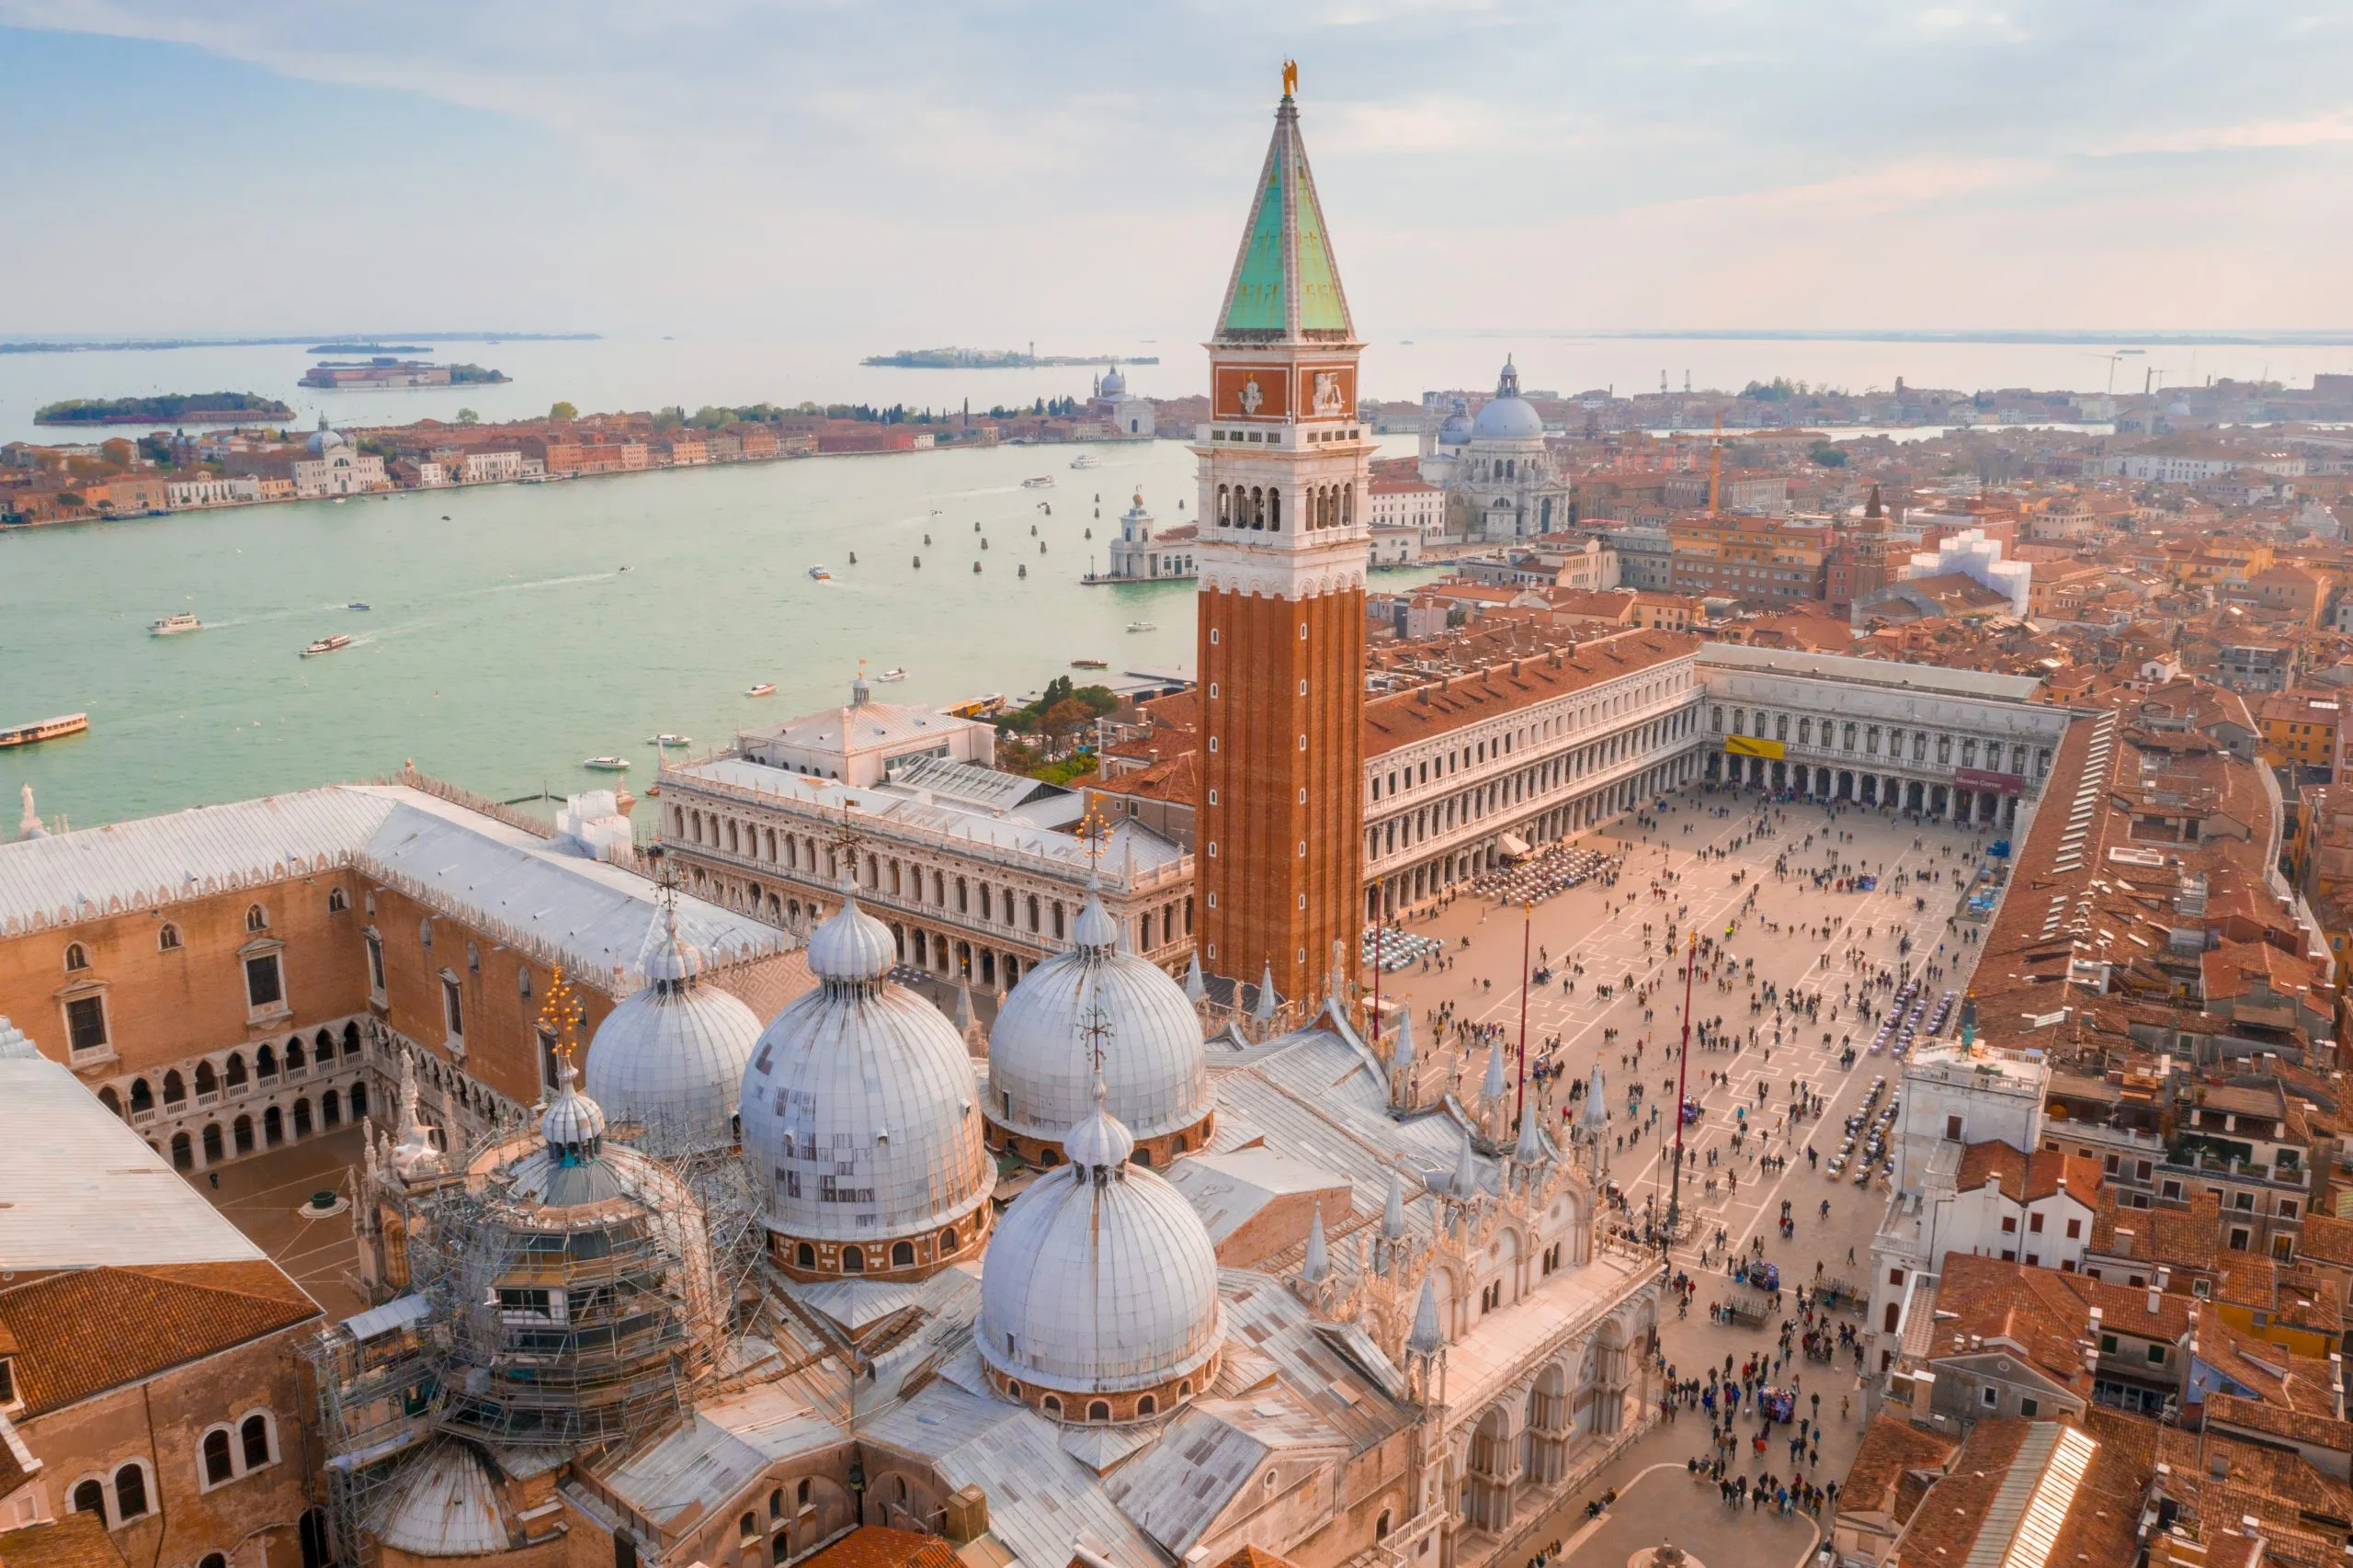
(2111, 359)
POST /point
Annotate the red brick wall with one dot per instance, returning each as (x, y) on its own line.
(1273, 794)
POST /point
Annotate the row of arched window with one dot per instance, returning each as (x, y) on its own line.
(1260, 507)
(1890, 741)
(903, 1253)
(231, 1076)
(1470, 753)
(885, 877)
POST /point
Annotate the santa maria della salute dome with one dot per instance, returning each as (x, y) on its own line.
(1093, 1283)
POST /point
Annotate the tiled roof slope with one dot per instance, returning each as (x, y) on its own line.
(82, 1333)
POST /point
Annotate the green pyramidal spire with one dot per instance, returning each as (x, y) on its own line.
(1285, 288)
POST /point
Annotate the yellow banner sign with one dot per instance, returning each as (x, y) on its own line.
(1754, 746)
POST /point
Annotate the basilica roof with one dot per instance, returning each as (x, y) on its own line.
(858, 1106)
(1042, 1070)
(1100, 1278)
(670, 1058)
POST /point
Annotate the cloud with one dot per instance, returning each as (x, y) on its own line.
(2313, 131)
(941, 166)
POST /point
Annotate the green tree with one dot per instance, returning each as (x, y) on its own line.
(468, 416)
(1827, 454)
(563, 411)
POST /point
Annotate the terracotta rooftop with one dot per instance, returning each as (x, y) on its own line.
(72, 1540)
(84, 1331)
(1403, 718)
(877, 1546)
(1982, 1163)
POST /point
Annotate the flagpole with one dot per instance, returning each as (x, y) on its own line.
(1527, 935)
(1682, 1080)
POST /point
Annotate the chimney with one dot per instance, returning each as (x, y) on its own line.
(2123, 1241)
(2164, 1277)
(2156, 1300)
(968, 1516)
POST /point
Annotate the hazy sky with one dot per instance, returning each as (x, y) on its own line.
(979, 173)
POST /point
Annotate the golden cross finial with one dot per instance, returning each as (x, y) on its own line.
(1094, 830)
(560, 1017)
(1291, 77)
(847, 838)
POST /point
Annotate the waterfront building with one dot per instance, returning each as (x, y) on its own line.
(235, 978)
(863, 742)
(977, 874)
(1139, 553)
(1128, 415)
(1397, 502)
(1498, 475)
(1284, 467)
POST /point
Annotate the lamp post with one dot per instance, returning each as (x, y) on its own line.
(1682, 1078)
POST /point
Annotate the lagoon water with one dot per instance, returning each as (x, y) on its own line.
(506, 643)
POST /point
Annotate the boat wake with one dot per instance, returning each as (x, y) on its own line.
(529, 585)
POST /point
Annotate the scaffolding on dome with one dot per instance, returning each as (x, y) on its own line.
(575, 1328)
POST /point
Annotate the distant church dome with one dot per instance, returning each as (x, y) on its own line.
(1098, 1297)
(1508, 417)
(1041, 1073)
(669, 1059)
(1114, 384)
(324, 440)
(859, 1117)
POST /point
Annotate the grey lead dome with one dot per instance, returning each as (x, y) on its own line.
(1041, 1071)
(858, 1108)
(669, 1059)
(1100, 1278)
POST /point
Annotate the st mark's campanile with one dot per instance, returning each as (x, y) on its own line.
(1284, 467)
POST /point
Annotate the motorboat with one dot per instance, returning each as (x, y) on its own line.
(607, 763)
(1040, 482)
(180, 620)
(1143, 626)
(47, 730)
(1087, 460)
(765, 688)
(327, 645)
(1090, 663)
(819, 573)
(893, 672)
(356, 604)
(668, 739)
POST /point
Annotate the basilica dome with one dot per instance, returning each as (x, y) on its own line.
(1041, 1071)
(1114, 384)
(860, 1120)
(669, 1059)
(1098, 1297)
(1508, 416)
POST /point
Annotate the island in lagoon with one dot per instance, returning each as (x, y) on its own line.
(184, 408)
(390, 370)
(995, 359)
(368, 348)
